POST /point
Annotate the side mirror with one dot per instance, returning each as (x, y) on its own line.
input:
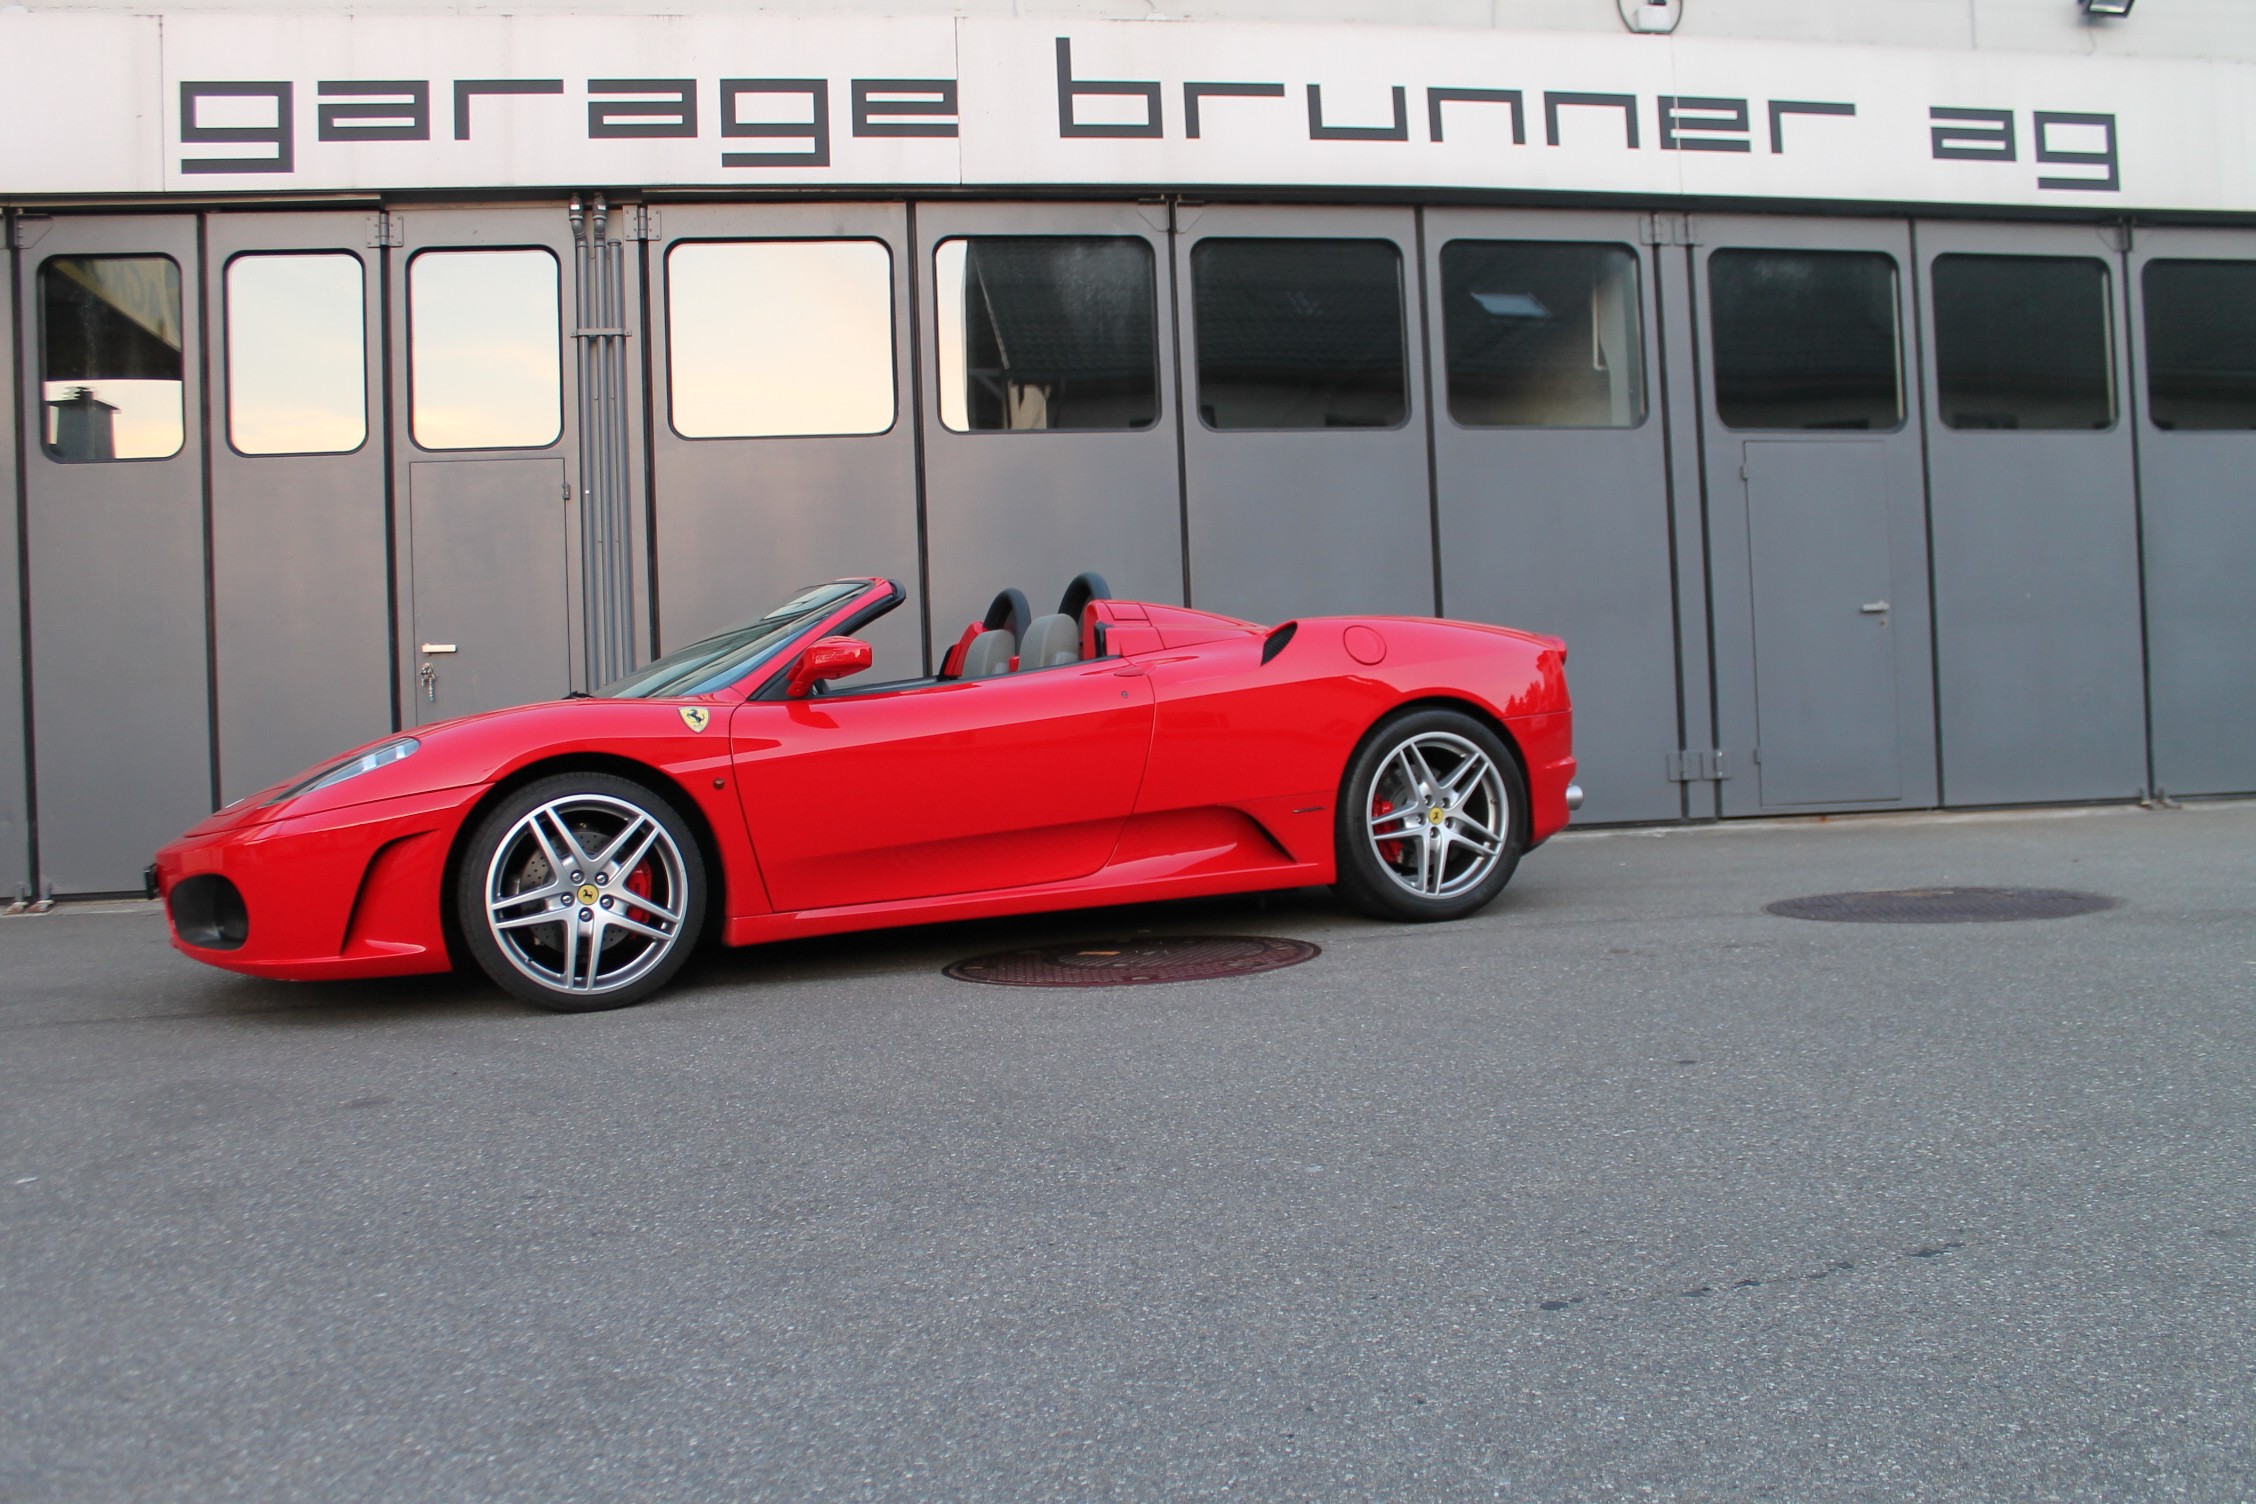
(830, 658)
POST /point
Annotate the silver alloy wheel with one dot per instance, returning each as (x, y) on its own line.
(585, 894)
(1437, 815)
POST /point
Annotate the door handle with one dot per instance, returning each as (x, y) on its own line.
(438, 647)
(1869, 608)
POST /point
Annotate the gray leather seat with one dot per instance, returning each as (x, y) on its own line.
(1050, 641)
(990, 654)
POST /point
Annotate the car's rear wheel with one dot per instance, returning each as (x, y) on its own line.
(1432, 818)
(582, 891)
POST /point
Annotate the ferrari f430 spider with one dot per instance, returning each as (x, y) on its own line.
(748, 786)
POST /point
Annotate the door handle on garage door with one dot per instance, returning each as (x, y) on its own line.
(438, 647)
(1869, 608)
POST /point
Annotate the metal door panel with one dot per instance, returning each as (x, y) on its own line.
(2197, 492)
(1825, 664)
(951, 788)
(488, 570)
(15, 829)
(1566, 531)
(1676, 395)
(301, 581)
(1887, 465)
(1031, 509)
(1317, 521)
(743, 522)
(120, 688)
(480, 530)
(2036, 575)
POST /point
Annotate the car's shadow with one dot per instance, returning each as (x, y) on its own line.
(1296, 913)
(719, 971)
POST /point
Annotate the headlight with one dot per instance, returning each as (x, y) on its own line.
(375, 757)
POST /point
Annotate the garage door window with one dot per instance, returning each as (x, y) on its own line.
(1299, 333)
(2023, 342)
(485, 349)
(780, 338)
(1806, 339)
(110, 367)
(297, 354)
(1053, 331)
(1541, 335)
(2201, 343)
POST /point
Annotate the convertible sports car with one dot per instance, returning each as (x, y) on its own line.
(1109, 752)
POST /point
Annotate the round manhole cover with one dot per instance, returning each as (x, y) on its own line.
(1133, 963)
(1942, 905)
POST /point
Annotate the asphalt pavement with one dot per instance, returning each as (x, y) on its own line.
(1623, 1188)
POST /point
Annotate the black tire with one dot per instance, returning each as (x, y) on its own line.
(1433, 863)
(635, 909)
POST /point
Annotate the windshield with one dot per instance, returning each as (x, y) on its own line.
(721, 660)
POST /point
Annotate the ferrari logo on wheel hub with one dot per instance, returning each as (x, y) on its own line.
(696, 717)
(587, 893)
(1437, 814)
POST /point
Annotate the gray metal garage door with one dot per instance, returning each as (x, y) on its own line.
(2029, 455)
(1304, 449)
(2196, 396)
(1550, 471)
(115, 534)
(783, 444)
(485, 438)
(15, 829)
(1049, 403)
(301, 588)
(1818, 539)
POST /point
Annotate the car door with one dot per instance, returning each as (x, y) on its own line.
(941, 788)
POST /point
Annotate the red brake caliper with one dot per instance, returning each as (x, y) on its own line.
(639, 881)
(1390, 850)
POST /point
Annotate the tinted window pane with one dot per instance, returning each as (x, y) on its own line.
(485, 349)
(1805, 339)
(769, 338)
(2022, 342)
(1299, 333)
(1047, 332)
(1542, 336)
(2201, 343)
(297, 355)
(109, 357)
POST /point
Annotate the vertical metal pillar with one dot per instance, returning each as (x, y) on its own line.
(599, 336)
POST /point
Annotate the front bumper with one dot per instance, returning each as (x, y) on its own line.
(353, 892)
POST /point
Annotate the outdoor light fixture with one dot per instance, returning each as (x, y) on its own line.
(2107, 7)
(1654, 17)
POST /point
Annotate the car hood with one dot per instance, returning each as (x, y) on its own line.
(466, 751)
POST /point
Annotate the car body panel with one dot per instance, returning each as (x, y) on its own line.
(1200, 755)
(857, 799)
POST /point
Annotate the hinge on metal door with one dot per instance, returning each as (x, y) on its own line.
(641, 222)
(387, 229)
(1704, 766)
(2119, 236)
(1666, 228)
(31, 229)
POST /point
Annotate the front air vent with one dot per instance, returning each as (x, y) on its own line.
(208, 913)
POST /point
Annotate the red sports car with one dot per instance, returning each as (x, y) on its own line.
(1108, 752)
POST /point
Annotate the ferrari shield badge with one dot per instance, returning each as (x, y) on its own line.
(696, 717)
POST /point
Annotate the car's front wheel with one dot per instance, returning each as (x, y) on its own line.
(582, 891)
(1432, 818)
